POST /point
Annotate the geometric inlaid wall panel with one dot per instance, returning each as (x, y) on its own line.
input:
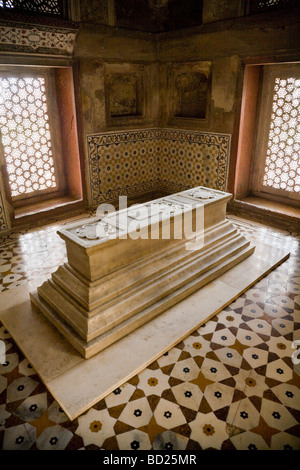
(194, 158)
(122, 163)
(138, 161)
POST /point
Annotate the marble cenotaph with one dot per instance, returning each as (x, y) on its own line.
(126, 267)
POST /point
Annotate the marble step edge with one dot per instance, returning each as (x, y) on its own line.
(71, 294)
(132, 304)
(90, 348)
(189, 267)
(218, 231)
(91, 296)
(195, 265)
(134, 301)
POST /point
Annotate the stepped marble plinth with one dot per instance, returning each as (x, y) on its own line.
(126, 267)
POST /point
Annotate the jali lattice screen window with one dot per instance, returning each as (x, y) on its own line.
(276, 165)
(26, 134)
(258, 6)
(54, 8)
(282, 168)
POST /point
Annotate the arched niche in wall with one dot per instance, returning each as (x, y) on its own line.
(189, 93)
(128, 94)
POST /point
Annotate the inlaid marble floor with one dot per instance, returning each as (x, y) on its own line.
(231, 385)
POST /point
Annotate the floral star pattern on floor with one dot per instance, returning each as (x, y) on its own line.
(231, 385)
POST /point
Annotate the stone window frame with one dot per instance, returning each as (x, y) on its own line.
(71, 189)
(48, 75)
